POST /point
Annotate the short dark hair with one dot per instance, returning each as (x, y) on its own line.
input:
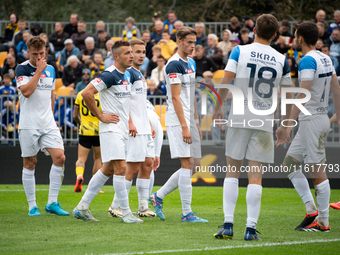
(285, 23)
(161, 57)
(326, 46)
(35, 42)
(184, 31)
(338, 29)
(118, 44)
(244, 30)
(166, 32)
(145, 31)
(134, 42)
(309, 32)
(266, 26)
(6, 75)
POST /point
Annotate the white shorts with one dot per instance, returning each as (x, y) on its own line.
(33, 140)
(180, 149)
(252, 144)
(309, 143)
(139, 148)
(113, 146)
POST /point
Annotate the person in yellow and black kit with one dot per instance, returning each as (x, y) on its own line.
(88, 137)
(130, 31)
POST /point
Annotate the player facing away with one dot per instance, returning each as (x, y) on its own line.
(114, 88)
(37, 128)
(158, 140)
(140, 148)
(258, 69)
(181, 121)
(88, 137)
(317, 75)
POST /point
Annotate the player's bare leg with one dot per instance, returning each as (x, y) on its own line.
(80, 166)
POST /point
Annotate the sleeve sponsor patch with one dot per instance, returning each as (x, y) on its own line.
(96, 81)
(20, 79)
(173, 75)
(189, 70)
(125, 83)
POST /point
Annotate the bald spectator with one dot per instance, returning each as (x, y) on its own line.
(89, 50)
(155, 17)
(203, 63)
(201, 38)
(336, 23)
(17, 37)
(58, 38)
(320, 16)
(156, 36)
(68, 51)
(283, 40)
(79, 37)
(178, 25)
(334, 43)
(72, 28)
(213, 52)
(323, 34)
(130, 31)
(146, 37)
(169, 24)
(235, 27)
(167, 45)
(250, 24)
(100, 26)
(225, 44)
(11, 29)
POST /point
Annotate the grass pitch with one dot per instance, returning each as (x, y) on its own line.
(281, 211)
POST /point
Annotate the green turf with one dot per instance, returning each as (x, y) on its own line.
(281, 211)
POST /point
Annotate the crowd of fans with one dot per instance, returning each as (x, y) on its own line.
(78, 56)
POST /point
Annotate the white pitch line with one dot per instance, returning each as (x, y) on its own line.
(18, 190)
(232, 247)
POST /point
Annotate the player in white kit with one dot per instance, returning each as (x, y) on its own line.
(317, 75)
(258, 70)
(37, 128)
(114, 89)
(181, 120)
(140, 148)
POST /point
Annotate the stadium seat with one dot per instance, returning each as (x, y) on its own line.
(115, 39)
(205, 123)
(58, 84)
(3, 56)
(64, 91)
(160, 110)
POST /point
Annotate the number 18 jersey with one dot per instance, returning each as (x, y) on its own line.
(261, 68)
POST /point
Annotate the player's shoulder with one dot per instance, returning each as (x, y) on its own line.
(135, 75)
(308, 62)
(111, 76)
(24, 69)
(176, 65)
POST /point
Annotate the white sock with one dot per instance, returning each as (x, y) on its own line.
(28, 180)
(143, 193)
(253, 197)
(96, 183)
(152, 181)
(323, 193)
(230, 195)
(115, 203)
(169, 186)
(56, 179)
(119, 185)
(185, 189)
(301, 185)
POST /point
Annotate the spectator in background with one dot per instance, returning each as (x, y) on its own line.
(22, 47)
(325, 49)
(167, 45)
(86, 78)
(89, 50)
(63, 115)
(58, 38)
(9, 67)
(36, 29)
(157, 74)
(334, 43)
(100, 43)
(98, 61)
(245, 39)
(148, 44)
(155, 17)
(17, 37)
(9, 118)
(68, 51)
(178, 25)
(108, 46)
(89, 64)
(100, 25)
(156, 52)
(203, 63)
(319, 44)
(234, 43)
(13, 50)
(213, 52)
(50, 45)
(225, 45)
(109, 60)
(169, 24)
(50, 59)
(320, 16)
(156, 35)
(79, 37)
(201, 38)
(250, 24)
(235, 27)
(336, 23)
(72, 28)
(283, 39)
(324, 35)
(72, 72)
(7, 89)
(154, 91)
(11, 29)
(293, 67)
(130, 31)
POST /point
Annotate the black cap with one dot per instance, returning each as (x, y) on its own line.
(156, 15)
(246, 17)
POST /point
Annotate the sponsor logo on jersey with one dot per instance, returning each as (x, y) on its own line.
(96, 81)
(262, 56)
(125, 83)
(190, 71)
(20, 79)
(43, 76)
(173, 75)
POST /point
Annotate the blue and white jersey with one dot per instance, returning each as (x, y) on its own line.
(7, 90)
(261, 68)
(318, 68)
(36, 111)
(157, 126)
(179, 71)
(138, 97)
(114, 89)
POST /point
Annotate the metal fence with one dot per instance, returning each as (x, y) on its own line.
(68, 127)
(115, 29)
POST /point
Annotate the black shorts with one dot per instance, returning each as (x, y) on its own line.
(88, 141)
